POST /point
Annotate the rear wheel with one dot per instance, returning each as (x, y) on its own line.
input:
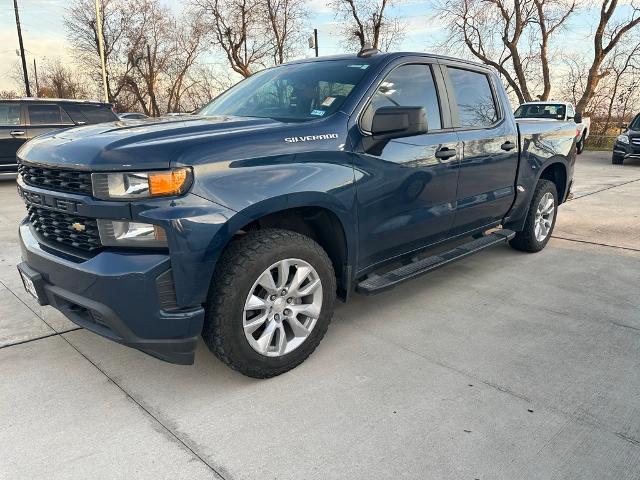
(540, 221)
(270, 302)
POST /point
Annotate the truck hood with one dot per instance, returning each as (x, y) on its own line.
(135, 144)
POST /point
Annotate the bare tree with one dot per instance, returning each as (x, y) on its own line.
(237, 29)
(189, 45)
(551, 15)
(57, 80)
(284, 19)
(494, 31)
(207, 82)
(8, 94)
(368, 22)
(608, 34)
(82, 34)
(149, 53)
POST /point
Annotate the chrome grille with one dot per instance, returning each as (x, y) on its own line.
(57, 179)
(72, 230)
(635, 141)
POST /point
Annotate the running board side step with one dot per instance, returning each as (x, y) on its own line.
(379, 283)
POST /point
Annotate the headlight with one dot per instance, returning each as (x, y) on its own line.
(139, 185)
(123, 233)
(623, 139)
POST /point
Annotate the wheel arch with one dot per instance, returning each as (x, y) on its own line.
(556, 172)
(317, 216)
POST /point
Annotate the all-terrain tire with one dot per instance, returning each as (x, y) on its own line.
(243, 261)
(526, 240)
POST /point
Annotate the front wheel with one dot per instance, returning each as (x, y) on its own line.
(541, 219)
(270, 302)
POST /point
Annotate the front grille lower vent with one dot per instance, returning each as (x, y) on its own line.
(72, 230)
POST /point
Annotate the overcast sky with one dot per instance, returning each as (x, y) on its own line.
(44, 34)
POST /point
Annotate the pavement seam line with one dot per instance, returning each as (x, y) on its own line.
(144, 409)
(29, 340)
(596, 243)
(604, 189)
(568, 416)
(127, 394)
(27, 305)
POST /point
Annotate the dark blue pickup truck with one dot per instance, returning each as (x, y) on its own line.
(304, 182)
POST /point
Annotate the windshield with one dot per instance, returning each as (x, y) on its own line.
(300, 92)
(635, 123)
(541, 110)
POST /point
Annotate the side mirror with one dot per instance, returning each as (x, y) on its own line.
(578, 118)
(398, 122)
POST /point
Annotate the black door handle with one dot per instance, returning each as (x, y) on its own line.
(446, 152)
(508, 145)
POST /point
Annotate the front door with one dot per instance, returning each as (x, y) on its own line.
(406, 187)
(12, 135)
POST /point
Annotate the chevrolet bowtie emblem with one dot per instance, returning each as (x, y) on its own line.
(78, 227)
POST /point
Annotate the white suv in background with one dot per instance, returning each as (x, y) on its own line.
(551, 110)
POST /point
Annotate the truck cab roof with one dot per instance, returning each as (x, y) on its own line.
(380, 57)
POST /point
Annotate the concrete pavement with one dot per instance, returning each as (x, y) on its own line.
(504, 365)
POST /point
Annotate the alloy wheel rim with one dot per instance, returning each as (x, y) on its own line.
(282, 307)
(544, 216)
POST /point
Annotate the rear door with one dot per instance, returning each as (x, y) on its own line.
(406, 187)
(487, 130)
(44, 117)
(12, 135)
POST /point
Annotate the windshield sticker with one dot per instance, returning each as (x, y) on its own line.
(317, 113)
(311, 138)
(328, 101)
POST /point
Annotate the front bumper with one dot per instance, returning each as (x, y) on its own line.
(116, 295)
(626, 150)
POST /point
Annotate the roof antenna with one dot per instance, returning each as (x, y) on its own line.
(367, 51)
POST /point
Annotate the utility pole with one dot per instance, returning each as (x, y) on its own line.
(35, 71)
(101, 48)
(24, 60)
(313, 41)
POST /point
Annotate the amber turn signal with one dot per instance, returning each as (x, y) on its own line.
(173, 182)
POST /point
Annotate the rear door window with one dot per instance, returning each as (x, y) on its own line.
(474, 98)
(47, 114)
(90, 113)
(406, 86)
(9, 114)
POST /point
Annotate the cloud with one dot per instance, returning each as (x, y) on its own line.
(320, 6)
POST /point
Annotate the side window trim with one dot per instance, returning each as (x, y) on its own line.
(441, 98)
(453, 105)
(28, 115)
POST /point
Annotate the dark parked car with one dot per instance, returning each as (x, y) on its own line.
(23, 119)
(304, 182)
(627, 144)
